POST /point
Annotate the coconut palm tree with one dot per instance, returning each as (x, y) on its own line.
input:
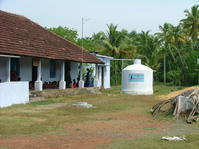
(191, 22)
(171, 38)
(112, 41)
(148, 49)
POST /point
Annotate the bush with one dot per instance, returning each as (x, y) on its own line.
(174, 76)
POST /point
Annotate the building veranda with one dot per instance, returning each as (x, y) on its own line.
(33, 58)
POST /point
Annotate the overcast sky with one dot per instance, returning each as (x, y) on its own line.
(129, 14)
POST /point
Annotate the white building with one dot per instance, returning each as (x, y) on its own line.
(102, 72)
(32, 57)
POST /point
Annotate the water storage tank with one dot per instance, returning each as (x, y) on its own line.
(137, 79)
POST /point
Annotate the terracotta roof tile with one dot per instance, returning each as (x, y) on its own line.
(21, 36)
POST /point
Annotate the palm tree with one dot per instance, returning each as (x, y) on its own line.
(97, 39)
(191, 23)
(148, 49)
(171, 38)
(112, 41)
(118, 45)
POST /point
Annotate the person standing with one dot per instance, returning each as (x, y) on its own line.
(87, 82)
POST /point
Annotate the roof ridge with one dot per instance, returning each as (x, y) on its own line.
(14, 14)
(64, 47)
(21, 16)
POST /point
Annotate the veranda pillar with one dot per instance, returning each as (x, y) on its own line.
(96, 81)
(38, 83)
(81, 82)
(62, 83)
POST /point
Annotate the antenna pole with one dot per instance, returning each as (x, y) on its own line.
(82, 47)
(81, 82)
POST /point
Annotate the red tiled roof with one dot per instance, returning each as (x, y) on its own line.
(21, 36)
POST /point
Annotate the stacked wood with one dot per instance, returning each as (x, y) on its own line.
(186, 103)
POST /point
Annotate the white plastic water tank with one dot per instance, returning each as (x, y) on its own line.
(137, 79)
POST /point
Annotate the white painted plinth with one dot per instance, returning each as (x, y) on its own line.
(38, 85)
(13, 93)
(81, 84)
(62, 85)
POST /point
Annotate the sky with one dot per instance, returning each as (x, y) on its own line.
(128, 14)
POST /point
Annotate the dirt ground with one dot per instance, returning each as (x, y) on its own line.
(99, 129)
(89, 134)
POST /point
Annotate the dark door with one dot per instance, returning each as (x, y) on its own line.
(34, 73)
(67, 74)
(15, 69)
(102, 77)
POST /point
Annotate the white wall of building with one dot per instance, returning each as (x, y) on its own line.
(13, 93)
(74, 70)
(107, 72)
(45, 71)
(25, 68)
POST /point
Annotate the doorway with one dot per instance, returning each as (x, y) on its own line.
(68, 74)
(102, 79)
(15, 69)
(34, 73)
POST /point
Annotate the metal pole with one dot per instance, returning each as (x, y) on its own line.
(165, 70)
(122, 64)
(82, 48)
(115, 73)
(82, 33)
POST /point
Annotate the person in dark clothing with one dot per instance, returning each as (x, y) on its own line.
(88, 77)
(78, 79)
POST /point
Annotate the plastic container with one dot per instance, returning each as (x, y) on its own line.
(137, 79)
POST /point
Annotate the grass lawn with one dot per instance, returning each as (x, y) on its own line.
(118, 122)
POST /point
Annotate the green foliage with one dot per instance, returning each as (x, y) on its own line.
(174, 77)
(191, 22)
(87, 43)
(161, 88)
(66, 33)
(179, 44)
